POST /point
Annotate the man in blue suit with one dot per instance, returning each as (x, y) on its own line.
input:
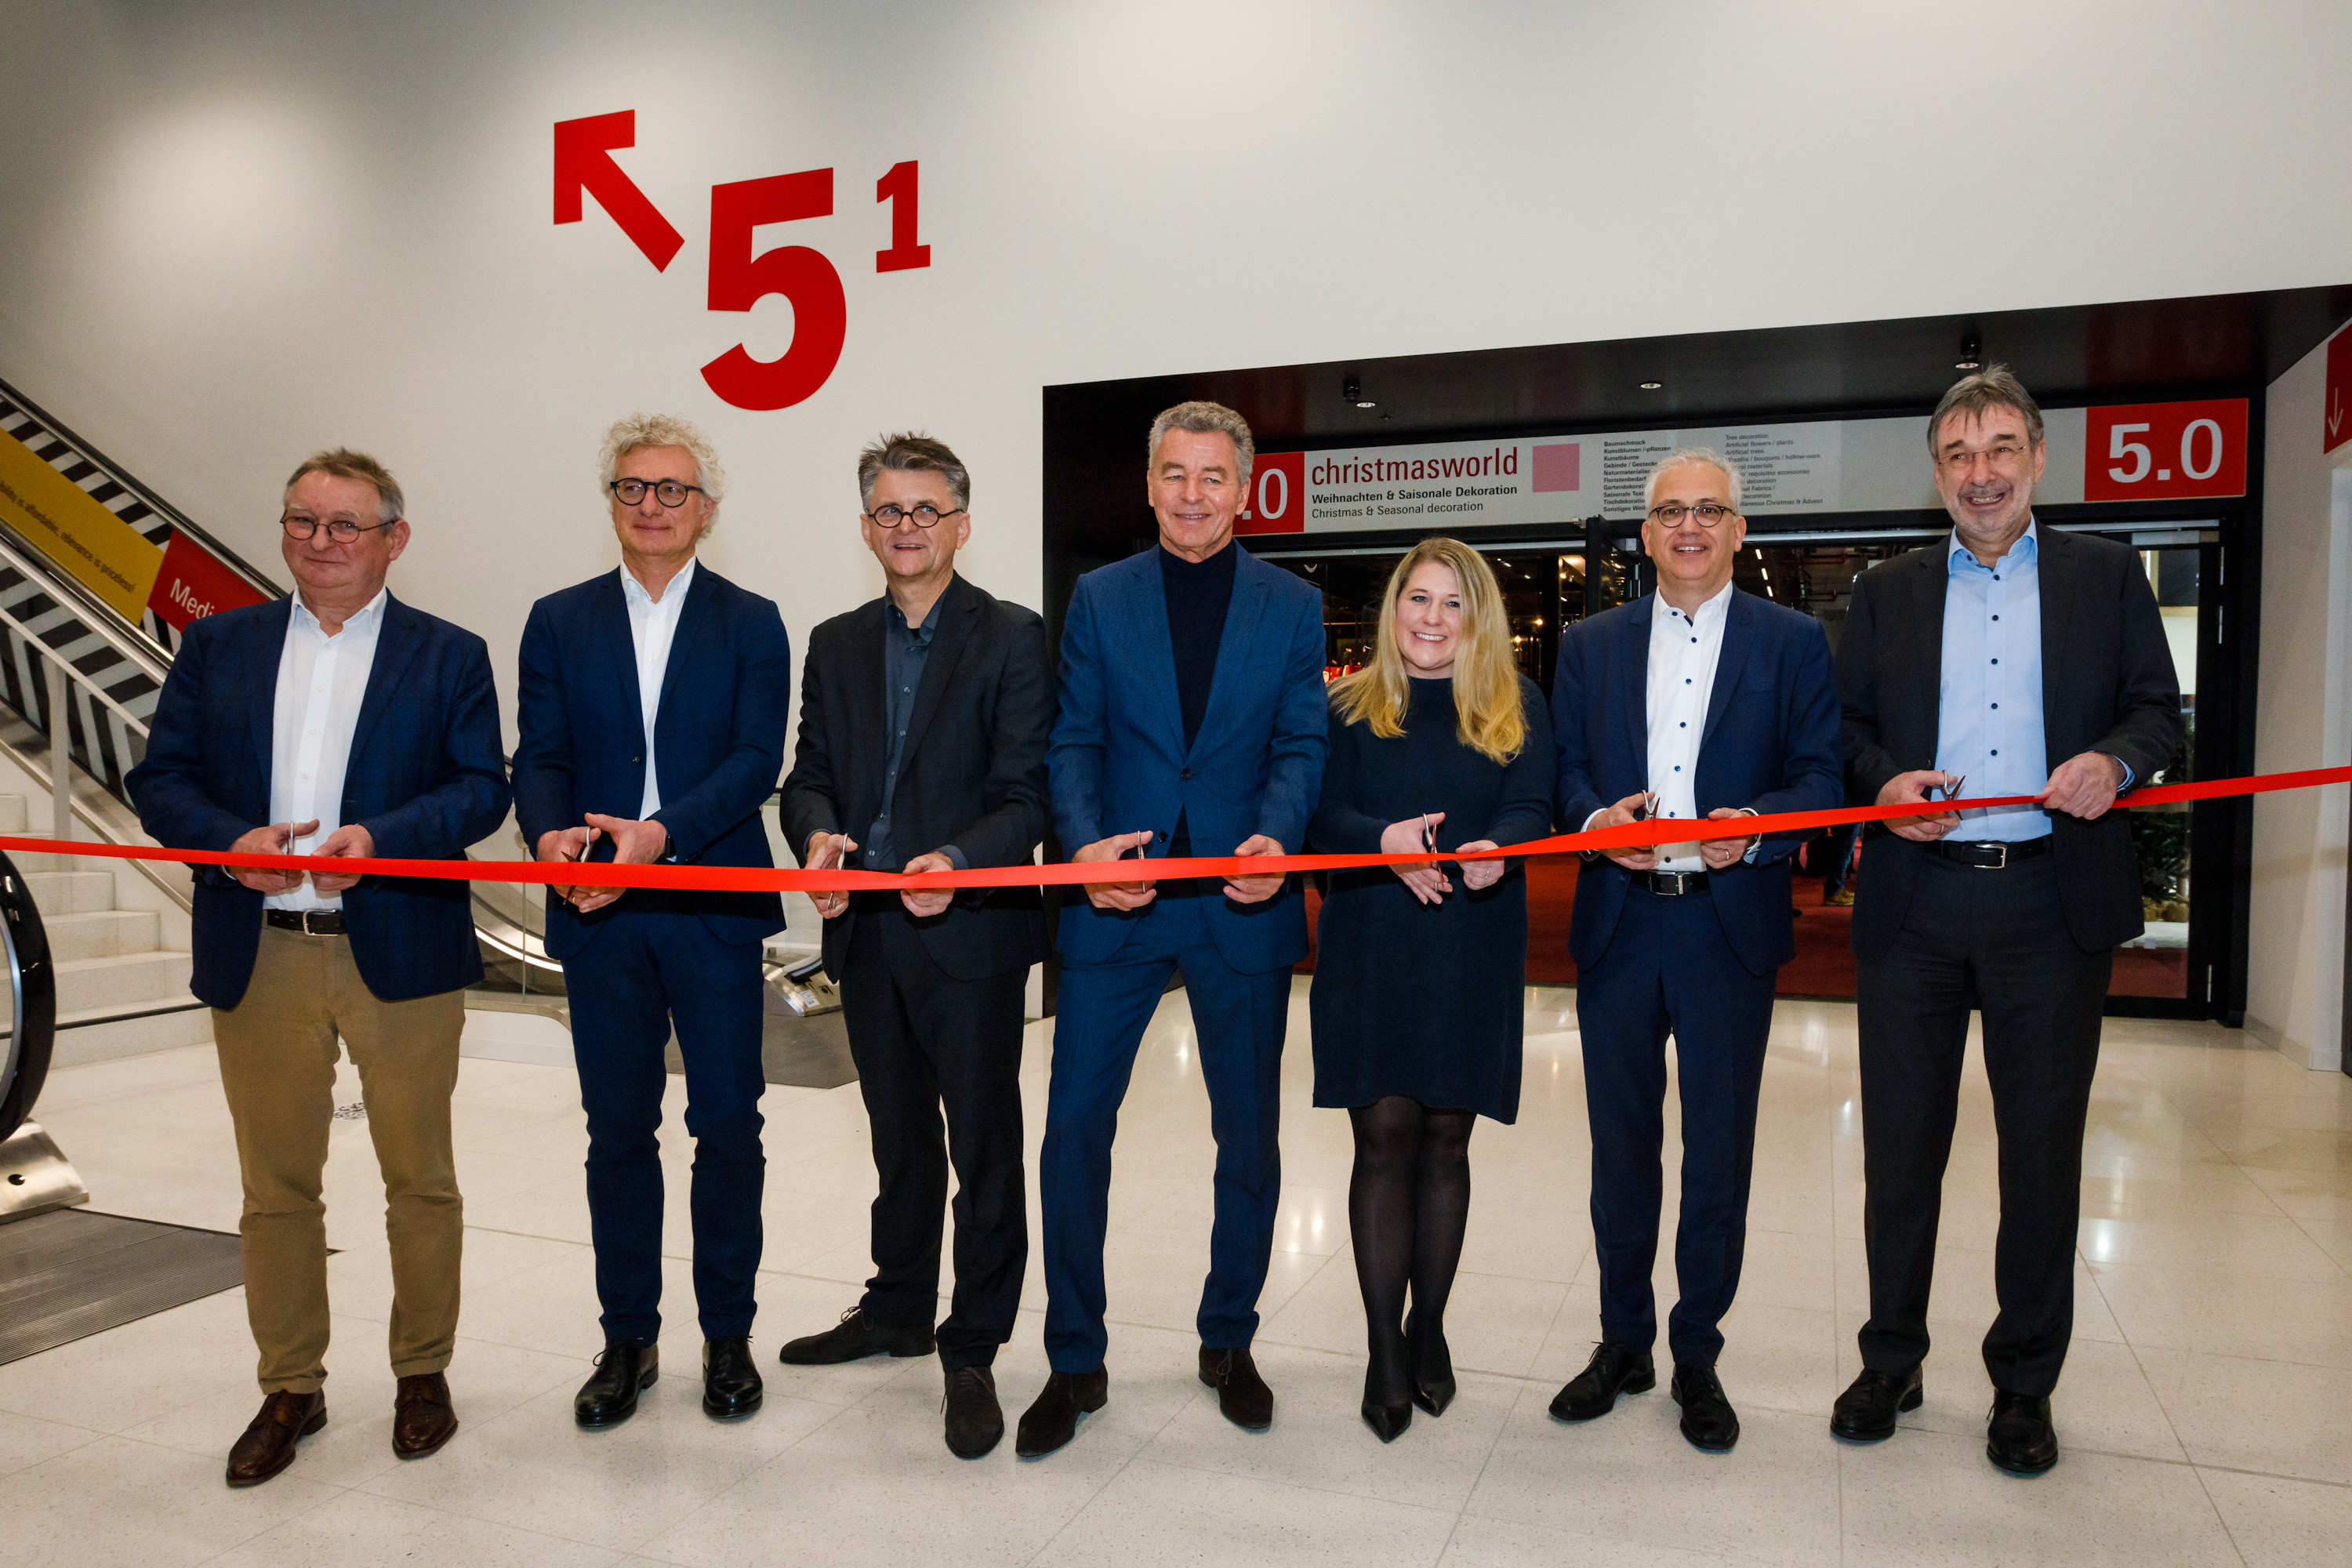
(1193, 722)
(654, 701)
(338, 723)
(1695, 701)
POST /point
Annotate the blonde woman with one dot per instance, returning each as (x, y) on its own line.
(1420, 970)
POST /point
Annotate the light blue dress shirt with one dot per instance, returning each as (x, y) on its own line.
(1988, 723)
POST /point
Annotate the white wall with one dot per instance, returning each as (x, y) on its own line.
(2294, 979)
(230, 232)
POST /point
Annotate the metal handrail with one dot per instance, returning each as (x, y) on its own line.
(78, 678)
(94, 614)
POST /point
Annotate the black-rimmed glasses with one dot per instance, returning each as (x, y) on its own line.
(340, 529)
(1707, 514)
(669, 492)
(922, 515)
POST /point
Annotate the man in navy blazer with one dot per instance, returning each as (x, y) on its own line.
(1193, 722)
(653, 706)
(1694, 701)
(338, 723)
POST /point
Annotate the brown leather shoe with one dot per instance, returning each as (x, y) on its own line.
(267, 1446)
(422, 1416)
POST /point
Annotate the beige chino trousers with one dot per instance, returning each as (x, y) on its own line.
(277, 1068)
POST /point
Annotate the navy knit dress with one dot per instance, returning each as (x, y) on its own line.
(1409, 998)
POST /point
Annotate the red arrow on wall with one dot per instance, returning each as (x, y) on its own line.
(583, 162)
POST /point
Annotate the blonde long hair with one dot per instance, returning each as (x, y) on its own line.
(1489, 718)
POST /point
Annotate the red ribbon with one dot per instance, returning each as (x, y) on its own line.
(759, 879)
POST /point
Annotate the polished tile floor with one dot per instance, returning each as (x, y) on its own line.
(2206, 1410)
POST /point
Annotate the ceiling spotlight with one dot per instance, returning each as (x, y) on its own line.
(1971, 351)
(1654, 387)
(1352, 391)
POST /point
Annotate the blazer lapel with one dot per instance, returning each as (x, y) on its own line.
(396, 643)
(2054, 583)
(960, 609)
(613, 615)
(1634, 690)
(1738, 632)
(1926, 608)
(264, 652)
(1143, 614)
(1242, 617)
(690, 618)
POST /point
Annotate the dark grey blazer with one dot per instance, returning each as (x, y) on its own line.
(2107, 684)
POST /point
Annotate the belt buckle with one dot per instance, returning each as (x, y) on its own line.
(2000, 865)
(307, 931)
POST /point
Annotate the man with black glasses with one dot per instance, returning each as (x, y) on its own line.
(339, 723)
(947, 772)
(653, 705)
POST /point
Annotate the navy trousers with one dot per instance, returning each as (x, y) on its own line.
(1668, 969)
(646, 971)
(1101, 1010)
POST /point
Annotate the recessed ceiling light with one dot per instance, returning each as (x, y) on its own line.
(1352, 390)
(1654, 387)
(1971, 351)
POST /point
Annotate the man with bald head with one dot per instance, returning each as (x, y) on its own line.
(1695, 701)
(2025, 663)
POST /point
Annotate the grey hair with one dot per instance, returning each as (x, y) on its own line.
(642, 430)
(910, 452)
(342, 463)
(1677, 459)
(1205, 419)
(1996, 386)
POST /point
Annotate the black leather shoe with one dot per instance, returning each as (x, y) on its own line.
(2019, 1438)
(1241, 1394)
(855, 1338)
(266, 1445)
(610, 1395)
(1053, 1419)
(730, 1383)
(1613, 1369)
(1865, 1412)
(1433, 1369)
(975, 1421)
(1708, 1420)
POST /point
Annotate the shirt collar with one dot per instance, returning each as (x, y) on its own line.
(921, 634)
(1710, 613)
(2027, 547)
(364, 621)
(673, 595)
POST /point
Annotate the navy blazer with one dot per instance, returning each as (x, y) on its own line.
(425, 778)
(1770, 743)
(725, 698)
(1119, 762)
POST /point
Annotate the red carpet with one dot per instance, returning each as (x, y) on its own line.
(1824, 962)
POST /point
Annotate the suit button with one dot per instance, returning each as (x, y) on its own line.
(636, 762)
(1185, 774)
(1163, 839)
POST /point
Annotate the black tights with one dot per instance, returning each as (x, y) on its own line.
(1408, 1203)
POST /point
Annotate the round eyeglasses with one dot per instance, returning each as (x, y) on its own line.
(341, 531)
(1706, 514)
(922, 515)
(669, 492)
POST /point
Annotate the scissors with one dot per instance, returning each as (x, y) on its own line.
(1950, 791)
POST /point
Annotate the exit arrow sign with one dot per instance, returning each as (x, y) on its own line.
(2336, 396)
(583, 163)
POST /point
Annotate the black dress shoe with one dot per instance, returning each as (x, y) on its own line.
(1865, 1412)
(855, 1338)
(730, 1383)
(1708, 1420)
(1613, 1369)
(610, 1395)
(975, 1421)
(1241, 1394)
(2019, 1438)
(1433, 1369)
(266, 1445)
(1053, 1419)
(1388, 1421)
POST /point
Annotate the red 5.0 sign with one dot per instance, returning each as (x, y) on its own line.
(740, 277)
(2165, 451)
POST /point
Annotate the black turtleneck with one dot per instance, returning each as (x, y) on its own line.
(1199, 595)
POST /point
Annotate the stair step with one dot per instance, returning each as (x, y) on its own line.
(102, 933)
(94, 1034)
(70, 892)
(121, 983)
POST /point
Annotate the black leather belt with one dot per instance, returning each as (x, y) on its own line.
(1669, 884)
(309, 922)
(1992, 857)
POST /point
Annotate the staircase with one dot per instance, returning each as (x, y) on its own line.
(119, 990)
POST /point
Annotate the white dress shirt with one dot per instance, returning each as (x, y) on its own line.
(652, 624)
(322, 681)
(1683, 654)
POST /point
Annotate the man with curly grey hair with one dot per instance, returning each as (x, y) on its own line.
(625, 756)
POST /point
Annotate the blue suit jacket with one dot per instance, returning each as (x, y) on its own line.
(1770, 743)
(425, 778)
(725, 699)
(1119, 762)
